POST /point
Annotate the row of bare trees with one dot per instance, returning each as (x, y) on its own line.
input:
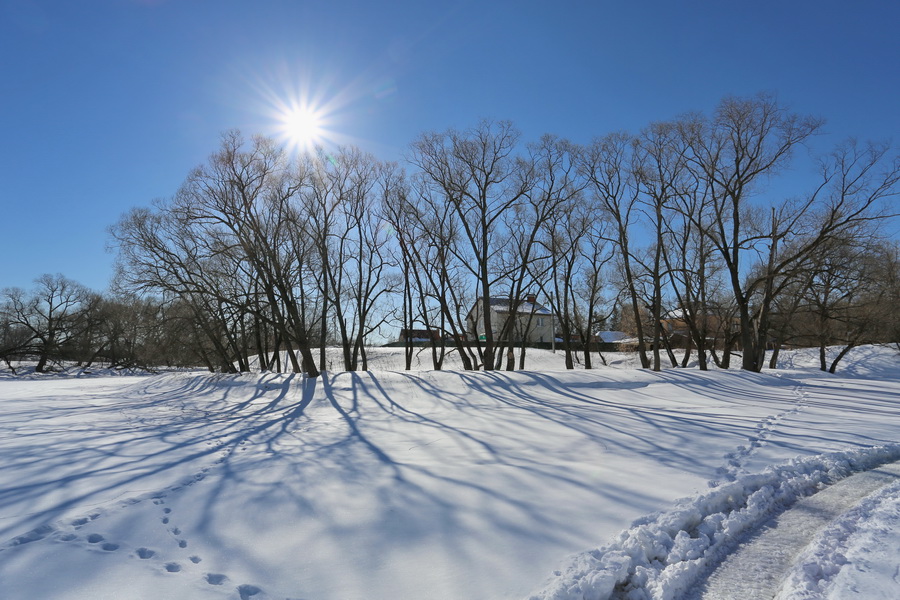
(722, 239)
(678, 220)
(275, 256)
(59, 320)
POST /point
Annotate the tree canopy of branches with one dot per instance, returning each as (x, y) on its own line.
(677, 230)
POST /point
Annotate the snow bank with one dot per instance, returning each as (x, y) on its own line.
(865, 525)
(26, 370)
(662, 554)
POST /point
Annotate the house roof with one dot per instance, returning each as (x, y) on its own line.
(612, 336)
(524, 308)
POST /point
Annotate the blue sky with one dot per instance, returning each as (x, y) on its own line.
(108, 104)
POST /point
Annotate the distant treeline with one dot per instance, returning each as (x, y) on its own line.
(676, 234)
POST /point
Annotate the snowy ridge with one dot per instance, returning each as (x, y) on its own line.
(817, 567)
(662, 554)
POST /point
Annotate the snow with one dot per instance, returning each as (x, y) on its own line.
(661, 557)
(770, 551)
(424, 484)
(855, 556)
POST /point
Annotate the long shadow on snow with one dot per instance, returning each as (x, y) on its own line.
(192, 434)
(353, 433)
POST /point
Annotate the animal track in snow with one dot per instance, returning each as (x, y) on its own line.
(173, 567)
(32, 536)
(734, 461)
(247, 591)
(173, 560)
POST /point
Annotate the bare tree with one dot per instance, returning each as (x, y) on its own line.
(474, 172)
(660, 168)
(250, 195)
(606, 164)
(552, 187)
(745, 141)
(51, 314)
(849, 296)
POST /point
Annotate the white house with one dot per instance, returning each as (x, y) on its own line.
(529, 320)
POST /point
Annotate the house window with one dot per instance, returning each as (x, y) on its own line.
(540, 321)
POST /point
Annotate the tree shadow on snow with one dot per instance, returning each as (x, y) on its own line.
(424, 454)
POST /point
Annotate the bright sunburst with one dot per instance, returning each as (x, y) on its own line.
(302, 126)
(304, 113)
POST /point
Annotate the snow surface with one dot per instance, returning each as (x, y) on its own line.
(770, 551)
(424, 484)
(856, 556)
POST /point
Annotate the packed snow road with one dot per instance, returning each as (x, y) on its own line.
(758, 568)
(439, 485)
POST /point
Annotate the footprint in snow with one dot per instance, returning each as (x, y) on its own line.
(95, 538)
(145, 553)
(110, 547)
(216, 578)
(247, 591)
(33, 535)
(173, 567)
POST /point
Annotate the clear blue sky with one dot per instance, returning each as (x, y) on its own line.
(107, 104)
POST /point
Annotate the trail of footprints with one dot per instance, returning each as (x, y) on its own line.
(98, 542)
(734, 461)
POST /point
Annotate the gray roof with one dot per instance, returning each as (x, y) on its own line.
(524, 308)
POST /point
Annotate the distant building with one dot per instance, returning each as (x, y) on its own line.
(675, 324)
(419, 336)
(527, 320)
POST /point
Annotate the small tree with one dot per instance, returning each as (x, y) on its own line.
(51, 314)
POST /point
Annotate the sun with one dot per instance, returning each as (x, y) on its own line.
(302, 126)
(301, 116)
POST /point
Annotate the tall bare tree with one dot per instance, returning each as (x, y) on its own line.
(607, 166)
(474, 171)
(746, 140)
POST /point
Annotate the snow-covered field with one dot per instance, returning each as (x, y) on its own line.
(440, 485)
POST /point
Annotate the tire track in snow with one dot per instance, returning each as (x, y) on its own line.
(757, 569)
(765, 428)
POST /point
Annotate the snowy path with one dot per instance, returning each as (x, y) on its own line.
(756, 570)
